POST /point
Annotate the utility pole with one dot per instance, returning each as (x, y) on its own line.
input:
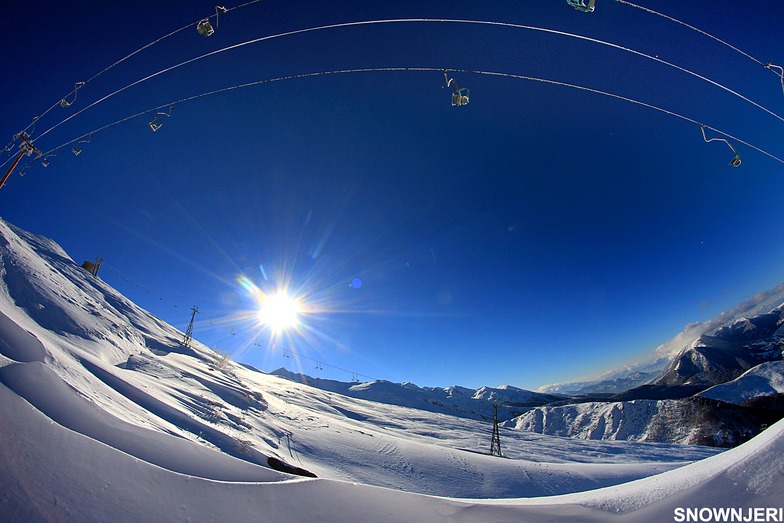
(186, 341)
(495, 444)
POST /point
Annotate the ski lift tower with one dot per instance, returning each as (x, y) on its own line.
(495, 444)
(186, 341)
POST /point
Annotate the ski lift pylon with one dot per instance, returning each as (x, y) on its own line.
(735, 162)
(26, 148)
(581, 6)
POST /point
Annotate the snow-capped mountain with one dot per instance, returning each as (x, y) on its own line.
(614, 381)
(739, 362)
(729, 352)
(619, 380)
(766, 379)
(106, 417)
(457, 401)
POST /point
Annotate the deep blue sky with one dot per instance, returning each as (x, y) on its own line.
(536, 235)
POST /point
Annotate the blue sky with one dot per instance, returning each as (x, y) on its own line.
(536, 235)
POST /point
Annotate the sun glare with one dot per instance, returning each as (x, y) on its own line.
(279, 312)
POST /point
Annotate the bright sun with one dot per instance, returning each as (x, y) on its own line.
(279, 312)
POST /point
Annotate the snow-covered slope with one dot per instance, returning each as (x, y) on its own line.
(105, 417)
(763, 380)
(690, 421)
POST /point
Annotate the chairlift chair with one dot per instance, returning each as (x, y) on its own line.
(461, 97)
(66, 103)
(204, 28)
(580, 5)
(772, 66)
(735, 162)
(157, 122)
(77, 148)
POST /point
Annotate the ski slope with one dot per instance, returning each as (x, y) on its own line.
(105, 417)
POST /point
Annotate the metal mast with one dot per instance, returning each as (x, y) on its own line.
(186, 341)
(495, 444)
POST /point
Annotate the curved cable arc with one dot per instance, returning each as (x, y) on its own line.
(418, 69)
(697, 29)
(410, 20)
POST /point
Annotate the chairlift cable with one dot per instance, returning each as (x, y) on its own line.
(697, 29)
(79, 85)
(419, 69)
(769, 65)
(225, 324)
(411, 20)
(321, 362)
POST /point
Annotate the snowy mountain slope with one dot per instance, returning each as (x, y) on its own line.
(738, 362)
(458, 401)
(613, 381)
(106, 417)
(616, 381)
(729, 352)
(688, 421)
(763, 380)
(54, 474)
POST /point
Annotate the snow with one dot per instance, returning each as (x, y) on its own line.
(762, 380)
(105, 417)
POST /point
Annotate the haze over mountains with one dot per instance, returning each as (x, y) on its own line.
(107, 417)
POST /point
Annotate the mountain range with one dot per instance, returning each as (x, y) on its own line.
(720, 389)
